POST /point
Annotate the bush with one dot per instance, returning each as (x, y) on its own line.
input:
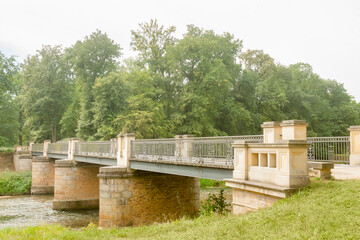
(6, 149)
(15, 183)
(214, 205)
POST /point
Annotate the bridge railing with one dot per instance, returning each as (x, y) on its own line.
(96, 149)
(206, 150)
(154, 149)
(335, 149)
(58, 148)
(37, 147)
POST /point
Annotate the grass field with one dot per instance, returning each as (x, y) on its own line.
(324, 210)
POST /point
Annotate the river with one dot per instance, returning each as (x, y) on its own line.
(32, 210)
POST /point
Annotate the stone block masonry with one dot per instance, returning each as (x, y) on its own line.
(6, 161)
(42, 175)
(76, 185)
(22, 161)
(139, 198)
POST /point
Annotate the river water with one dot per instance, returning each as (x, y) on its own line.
(21, 211)
(32, 210)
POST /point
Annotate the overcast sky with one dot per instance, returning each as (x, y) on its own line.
(325, 34)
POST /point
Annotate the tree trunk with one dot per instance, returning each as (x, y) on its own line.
(53, 133)
(20, 127)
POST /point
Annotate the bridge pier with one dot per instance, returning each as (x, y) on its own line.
(42, 175)
(140, 197)
(76, 185)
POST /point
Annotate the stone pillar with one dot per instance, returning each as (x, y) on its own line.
(294, 130)
(139, 198)
(124, 149)
(30, 146)
(42, 175)
(241, 163)
(46, 147)
(354, 145)
(71, 148)
(76, 185)
(272, 132)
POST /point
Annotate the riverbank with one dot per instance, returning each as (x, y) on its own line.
(324, 210)
(15, 183)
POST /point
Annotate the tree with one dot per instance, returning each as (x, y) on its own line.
(95, 57)
(205, 68)
(10, 113)
(111, 93)
(45, 95)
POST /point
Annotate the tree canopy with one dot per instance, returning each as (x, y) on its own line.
(202, 83)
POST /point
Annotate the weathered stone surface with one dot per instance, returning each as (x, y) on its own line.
(7, 161)
(145, 197)
(22, 161)
(75, 204)
(76, 185)
(42, 175)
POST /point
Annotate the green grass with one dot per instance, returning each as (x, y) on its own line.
(324, 210)
(15, 183)
(207, 183)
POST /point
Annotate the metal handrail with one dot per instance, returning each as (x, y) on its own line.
(96, 148)
(58, 147)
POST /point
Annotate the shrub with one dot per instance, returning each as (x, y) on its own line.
(15, 183)
(214, 205)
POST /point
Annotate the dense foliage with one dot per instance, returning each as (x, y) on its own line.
(202, 84)
(15, 183)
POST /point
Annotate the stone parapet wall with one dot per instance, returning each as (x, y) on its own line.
(22, 161)
(132, 199)
(7, 161)
(42, 175)
(76, 185)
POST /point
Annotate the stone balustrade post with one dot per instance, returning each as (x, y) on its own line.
(46, 147)
(30, 145)
(124, 149)
(184, 146)
(272, 132)
(354, 145)
(294, 130)
(119, 142)
(241, 162)
(71, 148)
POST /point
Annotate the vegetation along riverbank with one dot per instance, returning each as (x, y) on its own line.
(15, 183)
(324, 210)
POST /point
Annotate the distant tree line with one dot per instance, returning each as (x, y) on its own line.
(202, 84)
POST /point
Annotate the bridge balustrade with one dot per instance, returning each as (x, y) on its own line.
(37, 147)
(205, 150)
(335, 149)
(97, 149)
(58, 148)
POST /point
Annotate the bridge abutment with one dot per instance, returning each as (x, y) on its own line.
(76, 185)
(22, 160)
(140, 197)
(42, 175)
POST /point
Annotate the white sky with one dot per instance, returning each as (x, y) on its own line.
(323, 33)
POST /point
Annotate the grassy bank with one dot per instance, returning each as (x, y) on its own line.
(208, 183)
(325, 210)
(15, 183)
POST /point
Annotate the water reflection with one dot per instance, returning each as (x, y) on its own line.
(23, 211)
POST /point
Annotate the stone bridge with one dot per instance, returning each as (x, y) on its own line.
(136, 182)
